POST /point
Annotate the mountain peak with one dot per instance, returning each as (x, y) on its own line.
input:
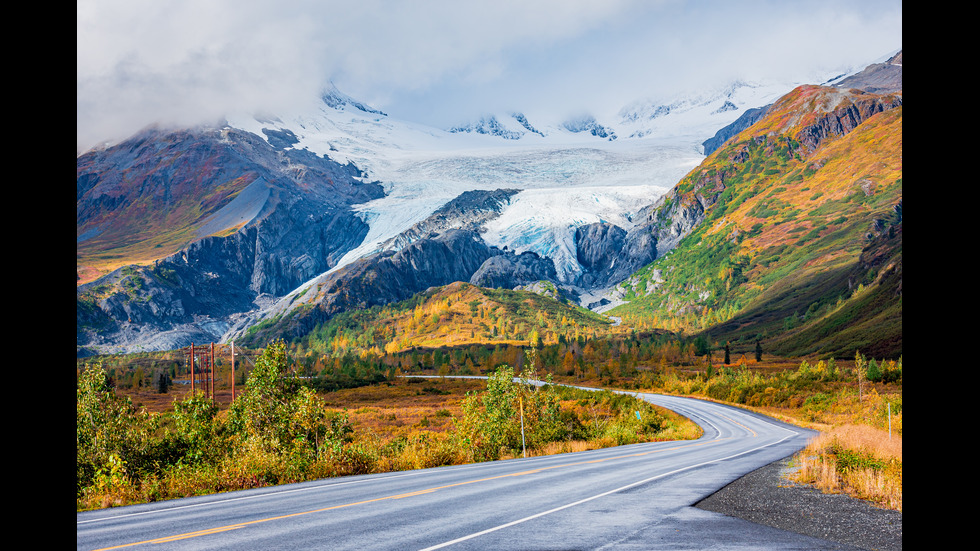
(877, 78)
(588, 124)
(510, 126)
(340, 101)
(491, 126)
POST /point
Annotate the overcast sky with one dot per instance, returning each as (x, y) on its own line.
(446, 61)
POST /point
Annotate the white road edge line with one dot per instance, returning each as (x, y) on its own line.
(597, 496)
(243, 498)
(331, 483)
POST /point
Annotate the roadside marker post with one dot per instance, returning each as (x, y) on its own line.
(523, 447)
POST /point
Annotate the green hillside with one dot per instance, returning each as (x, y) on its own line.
(800, 245)
(453, 315)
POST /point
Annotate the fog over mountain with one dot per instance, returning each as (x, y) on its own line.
(410, 145)
(445, 63)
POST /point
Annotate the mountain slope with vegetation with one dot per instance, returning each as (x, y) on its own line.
(789, 236)
(179, 231)
(155, 193)
(452, 315)
(797, 239)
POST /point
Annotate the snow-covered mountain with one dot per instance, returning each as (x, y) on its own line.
(570, 172)
(512, 126)
(577, 193)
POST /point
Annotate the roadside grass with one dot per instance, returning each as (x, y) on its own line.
(397, 425)
(859, 449)
(858, 460)
(409, 423)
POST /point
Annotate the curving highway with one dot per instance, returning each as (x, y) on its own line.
(630, 497)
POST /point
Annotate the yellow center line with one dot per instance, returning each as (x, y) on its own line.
(413, 494)
(196, 534)
(739, 424)
(398, 496)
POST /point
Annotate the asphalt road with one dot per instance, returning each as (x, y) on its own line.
(629, 497)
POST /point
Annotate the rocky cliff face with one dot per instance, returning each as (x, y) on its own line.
(383, 278)
(509, 270)
(845, 111)
(608, 253)
(469, 211)
(296, 224)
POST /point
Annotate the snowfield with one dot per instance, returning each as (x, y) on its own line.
(567, 178)
(561, 190)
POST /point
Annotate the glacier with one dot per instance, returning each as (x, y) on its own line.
(567, 178)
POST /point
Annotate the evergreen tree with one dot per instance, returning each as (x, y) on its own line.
(874, 372)
(758, 351)
(163, 383)
(728, 356)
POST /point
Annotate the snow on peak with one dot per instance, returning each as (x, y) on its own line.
(336, 99)
(510, 126)
(704, 112)
(588, 124)
(571, 172)
(489, 125)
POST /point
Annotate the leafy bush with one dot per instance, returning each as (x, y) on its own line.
(511, 414)
(276, 431)
(113, 442)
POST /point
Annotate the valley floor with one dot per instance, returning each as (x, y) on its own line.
(767, 497)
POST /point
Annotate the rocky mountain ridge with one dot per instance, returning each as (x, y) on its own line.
(297, 219)
(297, 223)
(789, 233)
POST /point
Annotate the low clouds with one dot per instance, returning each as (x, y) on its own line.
(180, 62)
(185, 61)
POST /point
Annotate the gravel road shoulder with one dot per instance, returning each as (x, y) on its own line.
(766, 497)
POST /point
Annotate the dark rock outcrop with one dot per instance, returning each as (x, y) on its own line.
(511, 270)
(845, 118)
(470, 211)
(608, 254)
(597, 246)
(745, 120)
(387, 277)
(298, 225)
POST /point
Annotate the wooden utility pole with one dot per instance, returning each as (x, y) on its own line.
(192, 369)
(233, 371)
(212, 371)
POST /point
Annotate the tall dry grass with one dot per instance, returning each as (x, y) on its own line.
(858, 460)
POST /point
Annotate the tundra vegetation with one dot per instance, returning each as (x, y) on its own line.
(279, 429)
(293, 419)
